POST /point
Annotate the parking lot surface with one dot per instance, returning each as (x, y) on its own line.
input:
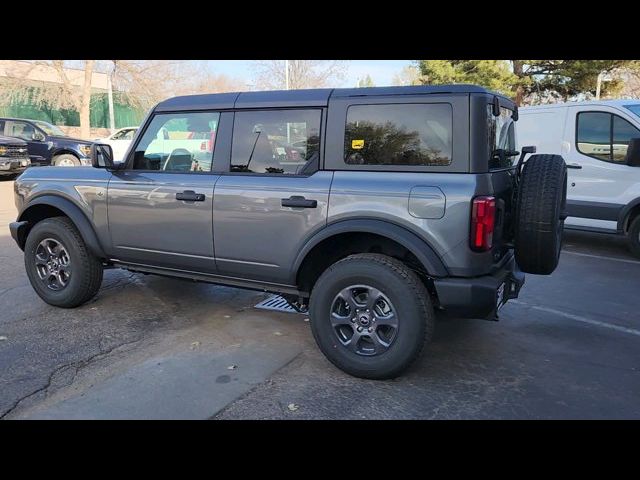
(152, 347)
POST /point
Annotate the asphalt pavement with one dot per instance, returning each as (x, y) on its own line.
(153, 347)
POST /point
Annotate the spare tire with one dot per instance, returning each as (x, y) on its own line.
(540, 213)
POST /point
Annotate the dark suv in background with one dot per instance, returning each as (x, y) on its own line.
(47, 144)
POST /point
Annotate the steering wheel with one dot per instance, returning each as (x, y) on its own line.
(178, 152)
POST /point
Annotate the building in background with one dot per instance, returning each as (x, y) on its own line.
(34, 76)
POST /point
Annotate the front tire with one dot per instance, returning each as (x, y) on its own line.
(634, 236)
(60, 268)
(66, 160)
(371, 315)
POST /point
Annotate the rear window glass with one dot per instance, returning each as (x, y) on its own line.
(399, 134)
(502, 139)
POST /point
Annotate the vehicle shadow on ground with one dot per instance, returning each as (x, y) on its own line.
(604, 244)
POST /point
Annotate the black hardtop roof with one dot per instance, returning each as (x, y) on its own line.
(303, 98)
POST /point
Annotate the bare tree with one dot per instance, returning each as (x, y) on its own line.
(24, 84)
(139, 83)
(271, 74)
(409, 75)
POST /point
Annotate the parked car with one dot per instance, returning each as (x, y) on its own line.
(600, 141)
(47, 144)
(410, 201)
(14, 158)
(119, 141)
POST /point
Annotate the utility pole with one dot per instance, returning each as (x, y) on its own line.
(286, 74)
(112, 122)
(602, 77)
(286, 82)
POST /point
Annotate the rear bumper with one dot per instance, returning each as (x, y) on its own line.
(477, 297)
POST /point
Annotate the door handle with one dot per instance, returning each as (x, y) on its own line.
(299, 202)
(574, 165)
(190, 196)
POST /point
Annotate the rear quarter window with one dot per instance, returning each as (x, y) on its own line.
(399, 134)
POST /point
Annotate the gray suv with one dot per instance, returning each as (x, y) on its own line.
(372, 208)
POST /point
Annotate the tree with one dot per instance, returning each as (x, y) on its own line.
(365, 82)
(529, 80)
(494, 74)
(409, 75)
(569, 78)
(68, 93)
(271, 74)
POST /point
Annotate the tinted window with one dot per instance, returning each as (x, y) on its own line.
(595, 130)
(410, 134)
(623, 131)
(502, 140)
(178, 142)
(276, 141)
(594, 134)
(22, 130)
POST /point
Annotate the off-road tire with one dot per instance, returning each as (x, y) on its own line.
(634, 236)
(540, 214)
(66, 157)
(86, 273)
(403, 288)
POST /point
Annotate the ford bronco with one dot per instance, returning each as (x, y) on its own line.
(370, 208)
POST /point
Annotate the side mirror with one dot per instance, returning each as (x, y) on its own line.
(633, 153)
(38, 137)
(101, 155)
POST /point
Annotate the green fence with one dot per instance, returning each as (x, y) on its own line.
(124, 115)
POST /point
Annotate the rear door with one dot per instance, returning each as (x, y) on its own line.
(160, 206)
(273, 194)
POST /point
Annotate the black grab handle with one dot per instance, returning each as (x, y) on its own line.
(299, 202)
(190, 196)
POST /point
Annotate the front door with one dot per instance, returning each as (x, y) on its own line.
(598, 178)
(273, 196)
(160, 206)
(36, 144)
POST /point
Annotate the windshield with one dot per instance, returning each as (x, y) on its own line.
(49, 129)
(635, 109)
(502, 141)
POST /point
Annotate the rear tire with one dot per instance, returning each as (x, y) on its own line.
(540, 214)
(66, 279)
(634, 236)
(383, 292)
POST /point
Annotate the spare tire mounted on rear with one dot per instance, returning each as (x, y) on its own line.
(540, 213)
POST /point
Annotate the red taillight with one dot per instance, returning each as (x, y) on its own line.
(483, 216)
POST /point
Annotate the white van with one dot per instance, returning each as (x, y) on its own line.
(600, 142)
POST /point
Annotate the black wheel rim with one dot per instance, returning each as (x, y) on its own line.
(364, 320)
(53, 264)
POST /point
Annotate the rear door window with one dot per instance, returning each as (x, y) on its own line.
(276, 142)
(399, 134)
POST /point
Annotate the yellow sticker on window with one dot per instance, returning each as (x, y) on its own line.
(357, 144)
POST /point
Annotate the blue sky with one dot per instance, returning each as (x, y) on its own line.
(381, 71)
